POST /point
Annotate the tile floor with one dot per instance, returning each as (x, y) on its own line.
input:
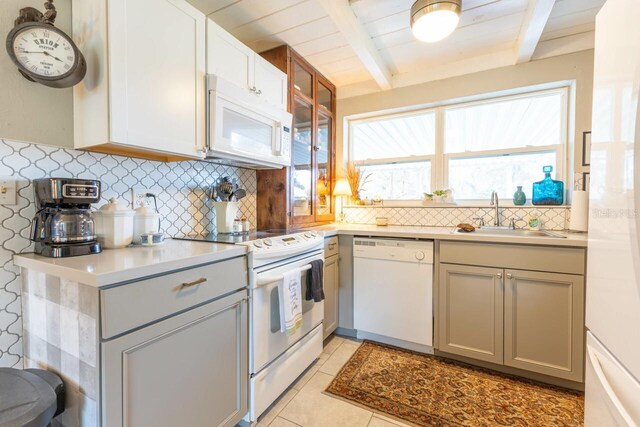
(304, 403)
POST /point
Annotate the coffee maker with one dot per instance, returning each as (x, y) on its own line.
(63, 225)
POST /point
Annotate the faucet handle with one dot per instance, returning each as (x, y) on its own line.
(512, 222)
(480, 221)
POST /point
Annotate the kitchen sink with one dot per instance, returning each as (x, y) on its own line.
(512, 232)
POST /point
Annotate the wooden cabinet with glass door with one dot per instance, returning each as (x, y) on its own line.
(300, 195)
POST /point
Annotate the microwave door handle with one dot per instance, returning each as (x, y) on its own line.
(277, 144)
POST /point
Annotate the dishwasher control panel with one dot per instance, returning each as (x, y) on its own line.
(393, 249)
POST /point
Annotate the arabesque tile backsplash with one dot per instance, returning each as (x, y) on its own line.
(178, 186)
(552, 217)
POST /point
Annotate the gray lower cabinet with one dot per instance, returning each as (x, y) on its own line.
(513, 305)
(544, 323)
(331, 285)
(331, 289)
(187, 370)
(471, 312)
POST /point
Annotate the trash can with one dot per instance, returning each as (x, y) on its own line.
(29, 397)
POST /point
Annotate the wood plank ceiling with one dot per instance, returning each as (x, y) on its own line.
(366, 45)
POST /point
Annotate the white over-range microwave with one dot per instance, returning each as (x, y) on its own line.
(244, 130)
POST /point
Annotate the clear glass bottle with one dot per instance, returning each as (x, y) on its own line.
(548, 191)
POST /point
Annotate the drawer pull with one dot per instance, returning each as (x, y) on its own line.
(332, 246)
(195, 282)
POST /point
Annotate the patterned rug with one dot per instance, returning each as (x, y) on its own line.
(432, 391)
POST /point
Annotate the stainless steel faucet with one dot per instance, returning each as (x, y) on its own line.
(495, 202)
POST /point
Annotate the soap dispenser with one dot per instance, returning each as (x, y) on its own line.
(548, 191)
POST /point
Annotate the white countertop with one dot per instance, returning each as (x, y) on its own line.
(578, 240)
(132, 263)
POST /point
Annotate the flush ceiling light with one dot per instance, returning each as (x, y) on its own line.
(433, 20)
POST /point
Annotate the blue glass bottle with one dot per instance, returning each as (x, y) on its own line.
(548, 191)
(519, 198)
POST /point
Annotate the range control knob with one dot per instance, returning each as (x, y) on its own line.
(419, 255)
(268, 242)
(257, 244)
(308, 235)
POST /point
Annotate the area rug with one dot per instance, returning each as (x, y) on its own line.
(428, 390)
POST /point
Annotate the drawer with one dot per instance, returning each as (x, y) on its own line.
(330, 246)
(520, 257)
(132, 305)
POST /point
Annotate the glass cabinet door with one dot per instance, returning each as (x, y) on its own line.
(302, 165)
(323, 161)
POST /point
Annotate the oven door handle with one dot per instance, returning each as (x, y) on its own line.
(265, 280)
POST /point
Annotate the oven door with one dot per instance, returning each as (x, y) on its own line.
(267, 342)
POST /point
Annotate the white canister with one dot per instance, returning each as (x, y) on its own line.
(145, 221)
(225, 215)
(114, 225)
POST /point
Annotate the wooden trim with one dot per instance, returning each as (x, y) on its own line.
(140, 153)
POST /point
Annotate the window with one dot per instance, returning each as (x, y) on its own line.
(397, 153)
(473, 148)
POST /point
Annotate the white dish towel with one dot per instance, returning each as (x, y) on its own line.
(290, 291)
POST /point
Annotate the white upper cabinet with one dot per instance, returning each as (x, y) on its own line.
(144, 94)
(270, 83)
(235, 62)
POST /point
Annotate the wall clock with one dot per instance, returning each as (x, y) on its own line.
(42, 52)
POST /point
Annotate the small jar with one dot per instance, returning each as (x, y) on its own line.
(237, 226)
(145, 221)
(246, 225)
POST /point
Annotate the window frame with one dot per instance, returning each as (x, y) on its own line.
(440, 160)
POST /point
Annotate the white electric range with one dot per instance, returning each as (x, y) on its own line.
(275, 358)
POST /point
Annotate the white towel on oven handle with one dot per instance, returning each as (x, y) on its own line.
(290, 292)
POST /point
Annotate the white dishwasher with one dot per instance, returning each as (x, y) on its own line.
(393, 289)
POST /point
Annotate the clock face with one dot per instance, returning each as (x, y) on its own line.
(44, 52)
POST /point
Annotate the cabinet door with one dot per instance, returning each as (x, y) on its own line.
(157, 75)
(270, 83)
(331, 289)
(544, 323)
(324, 164)
(188, 370)
(302, 172)
(470, 312)
(229, 58)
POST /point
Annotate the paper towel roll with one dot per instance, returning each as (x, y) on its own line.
(579, 220)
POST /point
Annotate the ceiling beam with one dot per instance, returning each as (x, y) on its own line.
(535, 20)
(343, 17)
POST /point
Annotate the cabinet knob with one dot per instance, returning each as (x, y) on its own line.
(258, 92)
(499, 275)
(509, 276)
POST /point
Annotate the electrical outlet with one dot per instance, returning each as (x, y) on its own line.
(138, 196)
(8, 191)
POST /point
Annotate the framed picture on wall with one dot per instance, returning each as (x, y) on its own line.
(586, 148)
(586, 181)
